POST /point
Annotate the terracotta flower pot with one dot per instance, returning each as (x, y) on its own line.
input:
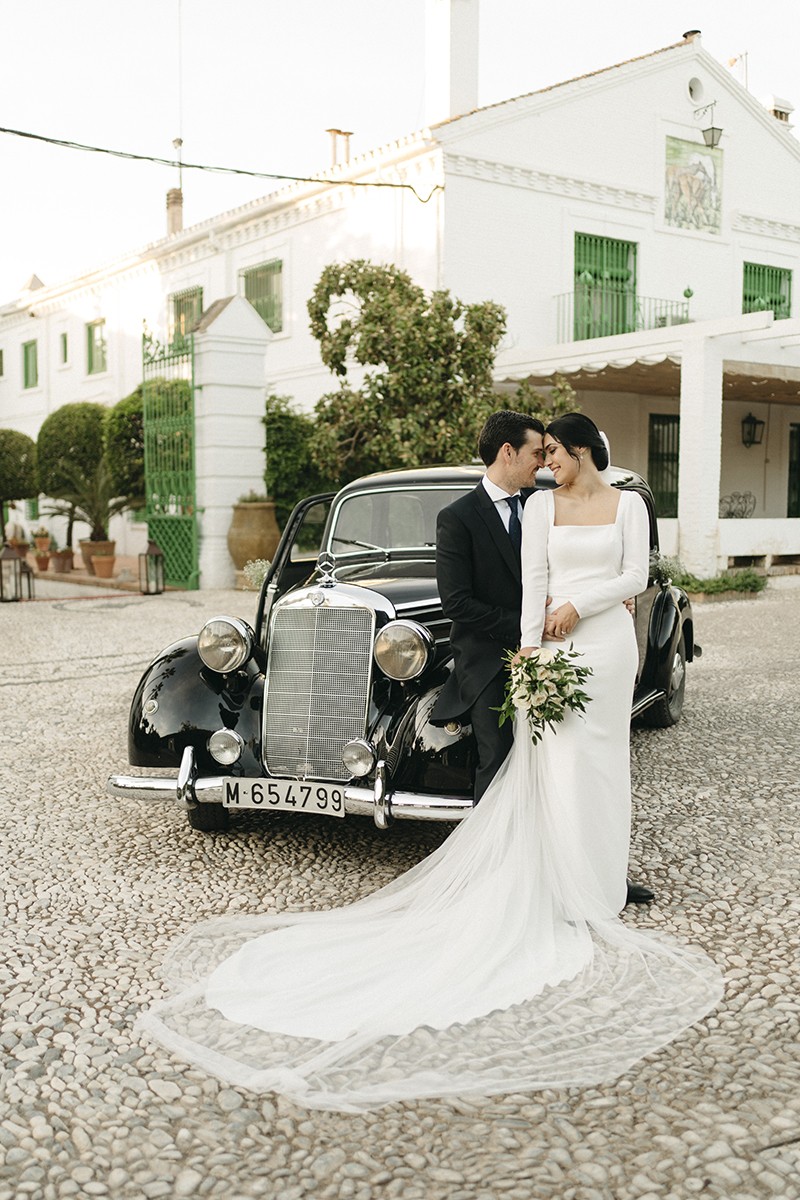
(103, 565)
(253, 532)
(42, 561)
(61, 561)
(90, 548)
(42, 544)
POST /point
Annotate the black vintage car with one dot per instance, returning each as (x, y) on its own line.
(324, 707)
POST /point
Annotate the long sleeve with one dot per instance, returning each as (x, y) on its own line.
(535, 530)
(632, 578)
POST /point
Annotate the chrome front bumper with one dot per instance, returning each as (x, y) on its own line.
(189, 789)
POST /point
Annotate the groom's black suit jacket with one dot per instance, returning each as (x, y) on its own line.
(480, 584)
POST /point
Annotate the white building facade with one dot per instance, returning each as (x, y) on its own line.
(656, 272)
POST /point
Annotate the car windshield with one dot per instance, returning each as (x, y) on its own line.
(394, 519)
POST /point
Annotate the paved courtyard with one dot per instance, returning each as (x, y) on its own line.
(95, 890)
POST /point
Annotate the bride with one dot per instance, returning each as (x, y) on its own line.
(499, 963)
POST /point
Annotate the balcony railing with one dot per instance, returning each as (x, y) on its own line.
(593, 312)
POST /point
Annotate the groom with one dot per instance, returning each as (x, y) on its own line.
(478, 570)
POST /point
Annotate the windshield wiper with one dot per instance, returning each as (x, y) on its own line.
(364, 545)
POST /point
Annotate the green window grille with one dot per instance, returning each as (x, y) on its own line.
(263, 287)
(793, 504)
(2, 370)
(767, 288)
(662, 462)
(30, 365)
(605, 286)
(96, 356)
(32, 509)
(64, 349)
(186, 309)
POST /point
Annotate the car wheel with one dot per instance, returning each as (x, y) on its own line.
(208, 818)
(667, 711)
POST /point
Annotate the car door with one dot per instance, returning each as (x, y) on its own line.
(296, 555)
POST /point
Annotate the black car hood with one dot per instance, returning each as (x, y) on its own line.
(401, 582)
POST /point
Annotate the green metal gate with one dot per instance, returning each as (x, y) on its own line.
(169, 470)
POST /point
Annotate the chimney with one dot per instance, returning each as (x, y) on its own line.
(691, 35)
(174, 211)
(780, 109)
(451, 58)
(345, 134)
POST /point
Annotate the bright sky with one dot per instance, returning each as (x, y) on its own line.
(261, 82)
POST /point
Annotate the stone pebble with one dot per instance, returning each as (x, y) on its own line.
(96, 890)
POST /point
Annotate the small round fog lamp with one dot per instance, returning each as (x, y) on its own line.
(225, 746)
(225, 644)
(359, 757)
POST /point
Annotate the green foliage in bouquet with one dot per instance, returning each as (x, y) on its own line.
(545, 687)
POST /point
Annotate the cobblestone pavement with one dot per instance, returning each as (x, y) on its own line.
(95, 890)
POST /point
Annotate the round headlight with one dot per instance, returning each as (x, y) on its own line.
(359, 757)
(402, 649)
(225, 746)
(225, 644)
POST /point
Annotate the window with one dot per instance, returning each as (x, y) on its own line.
(767, 288)
(263, 287)
(186, 310)
(2, 371)
(64, 347)
(30, 365)
(793, 503)
(662, 463)
(605, 286)
(96, 359)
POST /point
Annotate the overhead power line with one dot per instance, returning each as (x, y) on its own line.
(173, 162)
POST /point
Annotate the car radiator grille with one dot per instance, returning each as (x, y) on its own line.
(320, 666)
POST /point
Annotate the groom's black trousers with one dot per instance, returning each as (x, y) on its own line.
(493, 741)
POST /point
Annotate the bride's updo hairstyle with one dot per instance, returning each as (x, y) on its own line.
(575, 429)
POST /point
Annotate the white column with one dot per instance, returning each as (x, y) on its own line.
(229, 410)
(700, 456)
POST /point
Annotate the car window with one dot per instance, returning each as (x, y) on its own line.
(390, 520)
(308, 539)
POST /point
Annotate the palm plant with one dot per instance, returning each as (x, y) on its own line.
(91, 498)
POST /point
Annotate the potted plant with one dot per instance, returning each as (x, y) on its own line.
(41, 539)
(103, 562)
(60, 559)
(92, 498)
(42, 558)
(253, 531)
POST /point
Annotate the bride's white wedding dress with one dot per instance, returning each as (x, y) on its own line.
(497, 964)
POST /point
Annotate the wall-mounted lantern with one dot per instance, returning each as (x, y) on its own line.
(752, 430)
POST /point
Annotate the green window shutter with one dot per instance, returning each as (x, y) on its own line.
(186, 310)
(767, 288)
(663, 449)
(64, 349)
(605, 286)
(263, 287)
(96, 358)
(2, 369)
(30, 365)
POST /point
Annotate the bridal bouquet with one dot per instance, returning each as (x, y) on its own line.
(545, 686)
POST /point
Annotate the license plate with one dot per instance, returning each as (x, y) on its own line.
(288, 795)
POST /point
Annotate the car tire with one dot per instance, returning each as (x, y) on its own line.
(667, 710)
(209, 818)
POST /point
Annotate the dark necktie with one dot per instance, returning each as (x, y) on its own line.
(514, 524)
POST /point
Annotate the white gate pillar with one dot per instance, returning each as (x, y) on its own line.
(230, 345)
(700, 463)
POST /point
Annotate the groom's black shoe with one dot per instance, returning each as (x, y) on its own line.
(637, 894)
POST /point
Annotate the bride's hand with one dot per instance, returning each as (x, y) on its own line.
(561, 622)
(523, 652)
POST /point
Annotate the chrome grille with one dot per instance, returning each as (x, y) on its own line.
(320, 666)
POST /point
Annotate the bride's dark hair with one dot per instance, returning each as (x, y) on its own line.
(575, 429)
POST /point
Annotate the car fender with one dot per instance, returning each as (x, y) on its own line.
(427, 758)
(179, 702)
(666, 625)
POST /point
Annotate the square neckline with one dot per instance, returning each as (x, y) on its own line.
(603, 525)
